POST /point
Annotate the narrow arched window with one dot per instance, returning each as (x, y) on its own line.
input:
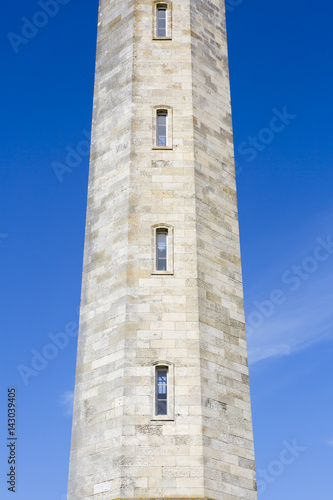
(161, 128)
(163, 401)
(162, 250)
(161, 20)
(161, 397)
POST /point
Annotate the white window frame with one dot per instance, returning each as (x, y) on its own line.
(165, 386)
(162, 7)
(164, 232)
(169, 126)
(162, 112)
(168, 7)
(154, 230)
(158, 365)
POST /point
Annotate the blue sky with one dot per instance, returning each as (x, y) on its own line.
(281, 83)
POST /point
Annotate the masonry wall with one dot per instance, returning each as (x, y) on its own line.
(131, 318)
(227, 425)
(99, 388)
(162, 458)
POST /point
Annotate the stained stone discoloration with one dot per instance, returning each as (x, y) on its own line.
(216, 405)
(131, 319)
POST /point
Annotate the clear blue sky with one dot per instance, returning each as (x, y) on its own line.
(281, 84)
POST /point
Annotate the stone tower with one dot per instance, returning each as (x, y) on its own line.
(162, 404)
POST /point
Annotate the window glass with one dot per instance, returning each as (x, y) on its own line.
(161, 250)
(161, 127)
(161, 21)
(161, 391)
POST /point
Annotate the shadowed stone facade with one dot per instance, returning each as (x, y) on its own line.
(190, 318)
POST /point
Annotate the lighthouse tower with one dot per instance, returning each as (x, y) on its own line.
(162, 405)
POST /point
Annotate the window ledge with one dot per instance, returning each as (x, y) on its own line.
(162, 38)
(162, 147)
(163, 418)
(163, 273)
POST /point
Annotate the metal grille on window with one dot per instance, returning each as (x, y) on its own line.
(161, 250)
(161, 391)
(161, 21)
(161, 127)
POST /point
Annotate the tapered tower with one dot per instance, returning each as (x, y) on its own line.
(162, 404)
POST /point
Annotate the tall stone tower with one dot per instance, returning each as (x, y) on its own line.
(162, 405)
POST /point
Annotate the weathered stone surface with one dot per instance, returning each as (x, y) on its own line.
(131, 318)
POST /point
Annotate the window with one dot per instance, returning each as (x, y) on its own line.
(161, 20)
(161, 128)
(161, 391)
(162, 249)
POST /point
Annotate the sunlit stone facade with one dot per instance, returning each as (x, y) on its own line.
(162, 305)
